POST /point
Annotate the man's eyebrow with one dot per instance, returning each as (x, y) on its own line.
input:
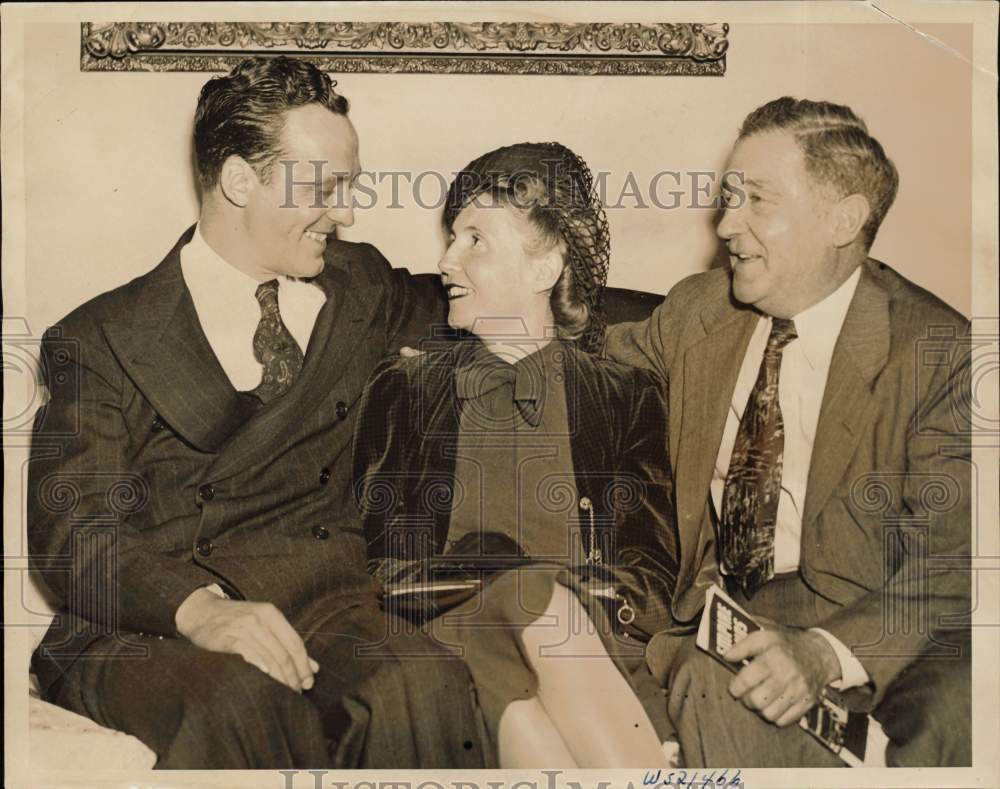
(334, 177)
(758, 183)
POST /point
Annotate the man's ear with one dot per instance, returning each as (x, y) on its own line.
(548, 269)
(849, 216)
(236, 180)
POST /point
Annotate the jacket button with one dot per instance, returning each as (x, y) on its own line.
(158, 424)
(206, 492)
(205, 547)
(320, 532)
(342, 410)
(324, 476)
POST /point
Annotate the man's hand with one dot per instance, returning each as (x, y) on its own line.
(258, 632)
(787, 671)
(406, 352)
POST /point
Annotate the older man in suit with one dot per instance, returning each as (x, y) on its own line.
(822, 461)
(190, 501)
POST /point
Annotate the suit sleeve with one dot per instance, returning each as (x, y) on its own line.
(379, 442)
(927, 591)
(81, 488)
(644, 344)
(647, 551)
(417, 307)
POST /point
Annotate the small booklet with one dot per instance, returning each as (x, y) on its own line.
(855, 737)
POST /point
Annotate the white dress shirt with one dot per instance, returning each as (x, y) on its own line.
(805, 364)
(228, 310)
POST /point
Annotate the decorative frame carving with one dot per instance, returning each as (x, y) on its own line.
(686, 49)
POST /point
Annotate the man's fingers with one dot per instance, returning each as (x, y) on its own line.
(280, 662)
(751, 646)
(765, 694)
(255, 656)
(258, 632)
(292, 644)
(793, 714)
(776, 705)
(748, 678)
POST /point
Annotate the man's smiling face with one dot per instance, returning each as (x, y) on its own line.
(779, 233)
(308, 195)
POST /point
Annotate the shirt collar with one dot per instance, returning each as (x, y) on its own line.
(209, 268)
(818, 327)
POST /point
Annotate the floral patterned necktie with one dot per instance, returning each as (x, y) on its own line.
(753, 483)
(274, 347)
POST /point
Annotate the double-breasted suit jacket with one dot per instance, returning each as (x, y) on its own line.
(151, 476)
(886, 522)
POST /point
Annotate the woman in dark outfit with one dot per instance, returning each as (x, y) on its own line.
(518, 447)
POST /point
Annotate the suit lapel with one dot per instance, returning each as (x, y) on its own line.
(711, 367)
(165, 353)
(861, 352)
(341, 327)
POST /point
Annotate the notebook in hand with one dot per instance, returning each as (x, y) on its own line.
(855, 737)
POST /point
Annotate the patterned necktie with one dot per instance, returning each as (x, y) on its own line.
(274, 347)
(753, 484)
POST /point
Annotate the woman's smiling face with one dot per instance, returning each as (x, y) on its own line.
(492, 278)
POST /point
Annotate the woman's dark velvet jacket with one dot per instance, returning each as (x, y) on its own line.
(404, 467)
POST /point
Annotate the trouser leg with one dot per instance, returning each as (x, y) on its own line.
(927, 710)
(194, 708)
(400, 700)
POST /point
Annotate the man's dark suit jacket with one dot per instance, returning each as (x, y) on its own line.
(886, 522)
(150, 476)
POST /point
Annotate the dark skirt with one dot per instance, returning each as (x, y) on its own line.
(487, 632)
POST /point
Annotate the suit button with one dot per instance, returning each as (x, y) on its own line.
(205, 547)
(206, 492)
(342, 410)
(158, 424)
(324, 476)
(320, 532)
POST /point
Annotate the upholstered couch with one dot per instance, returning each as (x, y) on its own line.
(61, 740)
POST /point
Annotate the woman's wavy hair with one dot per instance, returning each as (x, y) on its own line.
(554, 189)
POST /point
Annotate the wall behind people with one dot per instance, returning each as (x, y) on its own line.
(110, 188)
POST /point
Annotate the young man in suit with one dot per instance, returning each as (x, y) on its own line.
(190, 503)
(822, 460)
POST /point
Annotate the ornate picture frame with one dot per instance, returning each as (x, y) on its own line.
(626, 49)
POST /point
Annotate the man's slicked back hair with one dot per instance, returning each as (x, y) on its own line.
(243, 113)
(838, 149)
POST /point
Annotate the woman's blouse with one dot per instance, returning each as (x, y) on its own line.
(514, 465)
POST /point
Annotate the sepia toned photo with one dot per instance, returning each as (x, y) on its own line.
(577, 394)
